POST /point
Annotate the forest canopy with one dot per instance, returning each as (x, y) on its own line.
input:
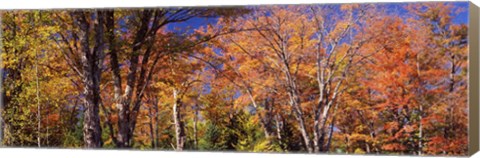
(366, 78)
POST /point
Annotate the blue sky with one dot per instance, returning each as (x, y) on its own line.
(461, 18)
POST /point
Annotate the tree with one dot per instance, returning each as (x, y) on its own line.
(450, 42)
(283, 47)
(87, 61)
(27, 51)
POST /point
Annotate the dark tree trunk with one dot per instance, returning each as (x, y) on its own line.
(125, 122)
(150, 125)
(91, 61)
(330, 134)
(157, 120)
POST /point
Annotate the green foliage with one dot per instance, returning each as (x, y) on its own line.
(213, 139)
(267, 146)
(74, 136)
(246, 131)
(359, 151)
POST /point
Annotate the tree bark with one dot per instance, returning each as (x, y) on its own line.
(157, 120)
(125, 122)
(153, 123)
(267, 132)
(279, 127)
(195, 120)
(179, 126)
(121, 139)
(39, 114)
(91, 62)
(150, 125)
(295, 103)
(330, 133)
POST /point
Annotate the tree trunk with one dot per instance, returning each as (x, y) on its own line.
(420, 132)
(150, 125)
(330, 134)
(295, 103)
(157, 120)
(319, 129)
(304, 133)
(278, 128)
(91, 62)
(153, 123)
(179, 127)
(39, 114)
(116, 77)
(46, 133)
(263, 125)
(126, 123)
(91, 124)
(120, 101)
(367, 147)
(195, 120)
(420, 127)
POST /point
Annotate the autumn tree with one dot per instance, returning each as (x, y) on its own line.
(33, 113)
(449, 41)
(284, 48)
